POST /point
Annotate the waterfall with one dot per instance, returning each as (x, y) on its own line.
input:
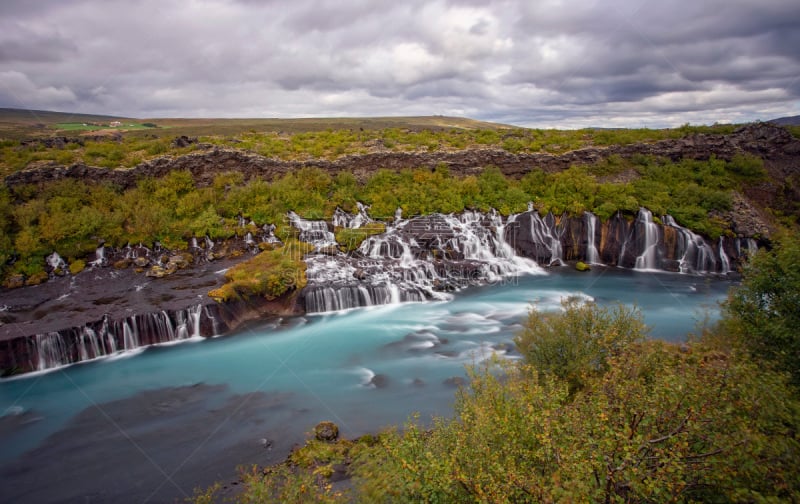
(105, 337)
(723, 257)
(592, 255)
(100, 257)
(314, 232)
(268, 235)
(648, 259)
(751, 247)
(417, 259)
(56, 262)
(544, 233)
(695, 255)
(51, 349)
(345, 220)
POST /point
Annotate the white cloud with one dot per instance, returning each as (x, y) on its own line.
(623, 62)
(18, 90)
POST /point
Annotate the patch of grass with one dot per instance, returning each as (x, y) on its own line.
(269, 275)
(351, 239)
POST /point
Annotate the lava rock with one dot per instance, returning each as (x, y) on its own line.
(379, 381)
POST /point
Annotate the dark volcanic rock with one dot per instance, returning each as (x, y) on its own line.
(379, 381)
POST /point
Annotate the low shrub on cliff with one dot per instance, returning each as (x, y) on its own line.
(351, 239)
(270, 274)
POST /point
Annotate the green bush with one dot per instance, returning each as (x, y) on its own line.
(764, 310)
(579, 340)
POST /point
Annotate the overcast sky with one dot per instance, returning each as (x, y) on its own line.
(532, 62)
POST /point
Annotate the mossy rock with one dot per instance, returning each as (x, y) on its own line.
(326, 431)
(36, 279)
(582, 266)
(122, 264)
(14, 281)
(77, 266)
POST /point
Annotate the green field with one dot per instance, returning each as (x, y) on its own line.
(78, 126)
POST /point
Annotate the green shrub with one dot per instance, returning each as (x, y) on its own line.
(578, 341)
(270, 274)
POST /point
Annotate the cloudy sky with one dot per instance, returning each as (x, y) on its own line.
(529, 62)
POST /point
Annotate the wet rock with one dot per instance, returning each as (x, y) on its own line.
(141, 262)
(326, 431)
(360, 274)
(379, 381)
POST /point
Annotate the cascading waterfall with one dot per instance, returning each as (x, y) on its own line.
(100, 257)
(50, 349)
(346, 220)
(592, 254)
(314, 232)
(106, 337)
(414, 260)
(544, 232)
(725, 262)
(56, 262)
(648, 259)
(751, 247)
(695, 254)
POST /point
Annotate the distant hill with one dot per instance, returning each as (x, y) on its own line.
(25, 116)
(786, 121)
(20, 123)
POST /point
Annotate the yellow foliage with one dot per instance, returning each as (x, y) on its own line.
(270, 274)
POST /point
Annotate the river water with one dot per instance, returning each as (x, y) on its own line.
(149, 426)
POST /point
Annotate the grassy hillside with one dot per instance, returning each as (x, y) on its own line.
(21, 124)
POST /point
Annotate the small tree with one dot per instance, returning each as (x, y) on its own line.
(578, 341)
(765, 310)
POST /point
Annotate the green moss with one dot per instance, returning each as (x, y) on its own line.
(270, 274)
(350, 239)
(582, 266)
(77, 266)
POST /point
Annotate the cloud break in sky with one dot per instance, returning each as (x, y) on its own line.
(548, 63)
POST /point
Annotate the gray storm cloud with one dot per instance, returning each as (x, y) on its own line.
(544, 63)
